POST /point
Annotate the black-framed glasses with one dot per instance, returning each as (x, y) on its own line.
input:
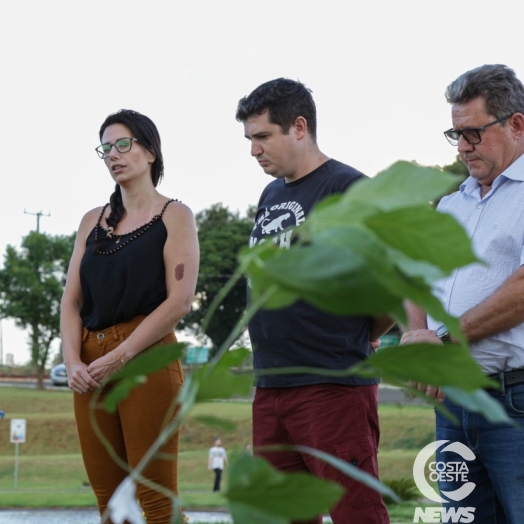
(122, 145)
(471, 135)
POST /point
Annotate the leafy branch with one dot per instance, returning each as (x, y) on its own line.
(361, 253)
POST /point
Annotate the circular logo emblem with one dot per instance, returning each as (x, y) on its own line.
(451, 471)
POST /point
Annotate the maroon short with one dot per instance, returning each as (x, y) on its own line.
(340, 420)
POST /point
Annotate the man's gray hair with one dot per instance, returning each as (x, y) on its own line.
(502, 91)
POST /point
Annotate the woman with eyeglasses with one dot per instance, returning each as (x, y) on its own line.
(131, 278)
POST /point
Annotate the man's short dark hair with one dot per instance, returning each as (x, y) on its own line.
(502, 91)
(285, 100)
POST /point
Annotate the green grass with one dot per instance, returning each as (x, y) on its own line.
(24, 401)
(51, 428)
(47, 498)
(406, 427)
(66, 471)
(51, 472)
(403, 513)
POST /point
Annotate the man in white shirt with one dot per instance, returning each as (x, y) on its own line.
(217, 461)
(487, 108)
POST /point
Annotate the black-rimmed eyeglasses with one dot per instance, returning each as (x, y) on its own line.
(122, 145)
(471, 135)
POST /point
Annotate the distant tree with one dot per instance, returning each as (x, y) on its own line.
(31, 284)
(458, 168)
(222, 234)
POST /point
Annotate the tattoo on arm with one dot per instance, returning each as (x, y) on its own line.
(179, 271)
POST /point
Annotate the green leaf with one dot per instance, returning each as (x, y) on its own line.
(479, 402)
(404, 184)
(121, 391)
(220, 381)
(254, 260)
(438, 365)
(334, 211)
(242, 513)
(418, 291)
(133, 374)
(349, 470)
(424, 234)
(150, 360)
(415, 268)
(346, 267)
(257, 490)
(339, 273)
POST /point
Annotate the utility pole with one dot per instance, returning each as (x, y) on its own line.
(38, 215)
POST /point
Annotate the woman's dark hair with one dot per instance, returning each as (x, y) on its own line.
(145, 131)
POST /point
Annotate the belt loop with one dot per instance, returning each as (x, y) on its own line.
(115, 332)
(502, 383)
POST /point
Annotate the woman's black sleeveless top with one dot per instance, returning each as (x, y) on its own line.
(124, 278)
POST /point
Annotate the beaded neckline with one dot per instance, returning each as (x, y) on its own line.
(132, 234)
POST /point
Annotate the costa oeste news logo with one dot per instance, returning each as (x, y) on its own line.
(456, 471)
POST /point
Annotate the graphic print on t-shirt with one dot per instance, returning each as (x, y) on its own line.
(273, 221)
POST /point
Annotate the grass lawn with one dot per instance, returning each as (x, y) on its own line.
(51, 472)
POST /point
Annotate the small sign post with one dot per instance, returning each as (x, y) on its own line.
(17, 438)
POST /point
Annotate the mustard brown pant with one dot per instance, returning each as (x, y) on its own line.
(132, 429)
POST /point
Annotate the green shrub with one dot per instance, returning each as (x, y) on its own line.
(404, 487)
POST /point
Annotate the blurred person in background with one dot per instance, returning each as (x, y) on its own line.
(217, 462)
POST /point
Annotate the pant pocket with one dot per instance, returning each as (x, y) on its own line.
(515, 401)
(361, 453)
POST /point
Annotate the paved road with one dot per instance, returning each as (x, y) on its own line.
(393, 395)
(24, 383)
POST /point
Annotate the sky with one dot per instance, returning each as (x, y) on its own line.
(378, 70)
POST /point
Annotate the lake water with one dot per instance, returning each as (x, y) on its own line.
(91, 517)
(86, 517)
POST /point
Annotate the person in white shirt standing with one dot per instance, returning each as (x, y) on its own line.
(487, 110)
(217, 462)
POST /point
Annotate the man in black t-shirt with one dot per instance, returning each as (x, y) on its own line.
(337, 415)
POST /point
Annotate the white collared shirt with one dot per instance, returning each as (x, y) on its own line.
(495, 225)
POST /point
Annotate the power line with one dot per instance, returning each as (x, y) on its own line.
(38, 215)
